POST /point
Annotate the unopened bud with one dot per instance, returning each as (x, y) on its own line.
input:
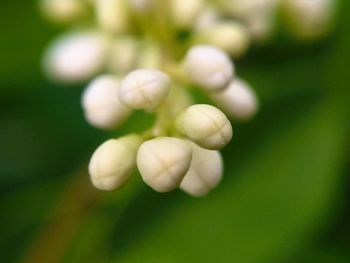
(124, 55)
(163, 162)
(144, 89)
(209, 67)
(205, 172)
(205, 125)
(232, 37)
(63, 11)
(112, 15)
(101, 104)
(238, 100)
(184, 12)
(76, 57)
(112, 163)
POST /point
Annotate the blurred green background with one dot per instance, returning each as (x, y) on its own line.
(284, 198)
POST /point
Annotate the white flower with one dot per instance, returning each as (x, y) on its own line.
(124, 55)
(101, 104)
(310, 19)
(112, 15)
(205, 125)
(112, 163)
(238, 100)
(208, 17)
(63, 11)
(184, 12)
(76, 57)
(208, 67)
(163, 162)
(205, 172)
(144, 89)
(232, 37)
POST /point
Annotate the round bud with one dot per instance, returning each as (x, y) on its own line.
(205, 125)
(309, 19)
(144, 89)
(112, 15)
(207, 18)
(63, 11)
(163, 162)
(76, 57)
(112, 163)
(101, 104)
(238, 100)
(205, 172)
(141, 6)
(124, 55)
(232, 37)
(209, 67)
(184, 12)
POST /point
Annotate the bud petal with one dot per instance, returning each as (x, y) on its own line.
(76, 57)
(112, 163)
(144, 89)
(209, 67)
(232, 37)
(205, 125)
(238, 100)
(101, 104)
(163, 162)
(205, 172)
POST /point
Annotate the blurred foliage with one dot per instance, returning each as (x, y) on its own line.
(285, 196)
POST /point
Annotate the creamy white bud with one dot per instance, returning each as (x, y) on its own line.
(232, 37)
(163, 162)
(310, 19)
(209, 67)
(205, 172)
(259, 16)
(207, 18)
(184, 12)
(112, 163)
(205, 125)
(238, 100)
(144, 89)
(150, 56)
(101, 104)
(63, 11)
(124, 55)
(112, 15)
(76, 57)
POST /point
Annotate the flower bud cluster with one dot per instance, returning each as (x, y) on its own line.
(147, 55)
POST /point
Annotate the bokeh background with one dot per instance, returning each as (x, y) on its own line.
(284, 198)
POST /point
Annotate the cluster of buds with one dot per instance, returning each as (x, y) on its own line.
(148, 55)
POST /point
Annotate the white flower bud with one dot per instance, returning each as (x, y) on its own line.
(238, 100)
(124, 55)
(63, 11)
(205, 125)
(112, 15)
(112, 163)
(232, 37)
(310, 19)
(101, 104)
(76, 57)
(205, 172)
(144, 89)
(209, 67)
(163, 162)
(184, 12)
(207, 18)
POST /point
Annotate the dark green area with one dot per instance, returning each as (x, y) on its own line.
(284, 198)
